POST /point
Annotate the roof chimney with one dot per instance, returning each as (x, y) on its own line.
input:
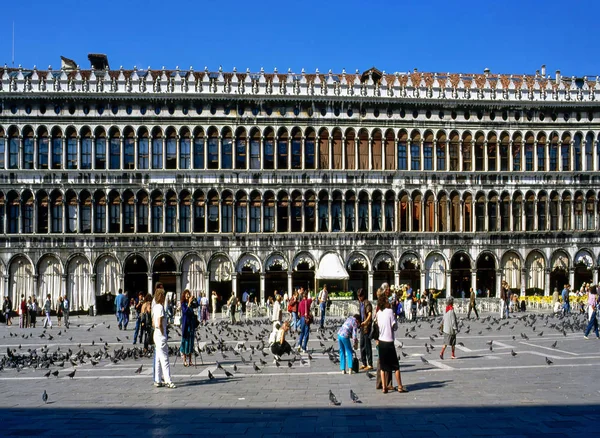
(98, 61)
(67, 64)
(486, 71)
(544, 70)
(557, 76)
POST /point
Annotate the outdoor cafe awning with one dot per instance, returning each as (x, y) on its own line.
(331, 268)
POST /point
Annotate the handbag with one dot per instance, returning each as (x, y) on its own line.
(375, 330)
(309, 318)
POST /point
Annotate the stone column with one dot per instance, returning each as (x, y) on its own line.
(523, 281)
(422, 285)
(63, 285)
(370, 285)
(303, 153)
(207, 286)
(595, 276)
(370, 167)
(178, 284)
(485, 156)
(535, 157)
(330, 152)
(262, 287)
(396, 277)
(289, 280)
(498, 283)
(547, 291)
(94, 302)
(150, 285)
(234, 285)
(474, 279)
(572, 277)
(448, 283)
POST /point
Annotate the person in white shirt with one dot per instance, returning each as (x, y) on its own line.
(388, 358)
(277, 315)
(323, 297)
(162, 369)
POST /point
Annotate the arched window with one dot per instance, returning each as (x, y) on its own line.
(566, 211)
(323, 211)
(404, 212)
(171, 212)
(283, 214)
(466, 150)
(269, 149)
(255, 204)
(454, 145)
(541, 152)
(429, 213)
(589, 211)
(363, 211)
(255, 149)
(157, 212)
(492, 152)
(336, 212)
(128, 212)
(479, 152)
(403, 151)
(577, 152)
(282, 150)
(505, 213)
(27, 205)
(350, 145)
(517, 211)
(114, 212)
(363, 149)
(43, 144)
(72, 212)
(309, 149)
(71, 150)
(296, 212)
(86, 150)
(417, 213)
(157, 149)
(213, 149)
(415, 151)
(376, 219)
(226, 149)
(440, 151)
(337, 149)
(324, 149)
(199, 149)
(129, 149)
(100, 156)
(530, 212)
(85, 212)
(114, 149)
(389, 146)
(185, 203)
(578, 204)
(443, 213)
(541, 211)
(349, 212)
(468, 213)
(13, 149)
(142, 212)
(390, 214)
(480, 213)
(377, 152)
(241, 212)
(428, 151)
(143, 149)
(28, 149)
(2, 149)
(199, 212)
(309, 211)
(185, 150)
(589, 151)
(12, 212)
(240, 149)
(100, 212)
(296, 149)
(517, 151)
(57, 149)
(455, 212)
(504, 151)
(529, 152)
(565, 152)
(171, 149)
(269, 213)
(492, 212)
(56, 212)
(553, 153)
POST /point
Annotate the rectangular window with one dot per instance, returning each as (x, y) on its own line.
(309, 217)
(199, 218)
(157, 153)
(114, 218)
(541, 156)
(255, 218)
(492, 157)
(2, 152)
(86, 153)
(86, 219)
(566, 212)
(427, 156)
(57, 218)
(529, 157)
(143, 154)
(441, 156)
(100, 219)
(57, 153)
(198, 153)
(240, 154)
(13, 218)
(28, 218)
(282, 154)
(28, 152)
(349, 211)
(128, 218)
(226, 218)
(171, 219)
(240, 218)
(255, 154)
(213, 218)
(376, 216)
(402, 156)
(71, 218)
(129, 153)
(100, 153)
(157, 216)
(142, 218)
(323, 216)
(184, 153)
(213, 153)
(115, 153)
(453, 157)
(227, 159)
(336, 216)
(467, 157)
(577, 155)
(269, 154)
(13, 153)
(516, 158)
(363, 216)
(72, 153)
(296, 217)
(296, 154)
(504, 158)
(184, 218)
(309, 154)
(269, 221)
(171, 153)
(565, 157)
(553, 158)
(415, 157)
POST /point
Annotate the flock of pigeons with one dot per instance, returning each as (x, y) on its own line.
(246, 344)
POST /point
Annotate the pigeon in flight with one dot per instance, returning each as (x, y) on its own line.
(333, 400)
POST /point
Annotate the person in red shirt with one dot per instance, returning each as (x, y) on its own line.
(23, 313)
(305, 321)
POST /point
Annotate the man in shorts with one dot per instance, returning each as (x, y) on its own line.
(449, 328)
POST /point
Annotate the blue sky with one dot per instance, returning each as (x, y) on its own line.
(506, 36)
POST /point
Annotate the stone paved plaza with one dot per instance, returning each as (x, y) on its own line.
(481, 393)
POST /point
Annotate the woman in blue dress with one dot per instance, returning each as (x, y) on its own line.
(188, 327)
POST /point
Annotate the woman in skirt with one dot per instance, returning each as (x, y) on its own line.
(387, 351)
(188, 328)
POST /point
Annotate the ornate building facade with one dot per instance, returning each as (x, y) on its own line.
(228, 181)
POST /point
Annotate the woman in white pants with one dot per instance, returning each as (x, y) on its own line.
(162, 368)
